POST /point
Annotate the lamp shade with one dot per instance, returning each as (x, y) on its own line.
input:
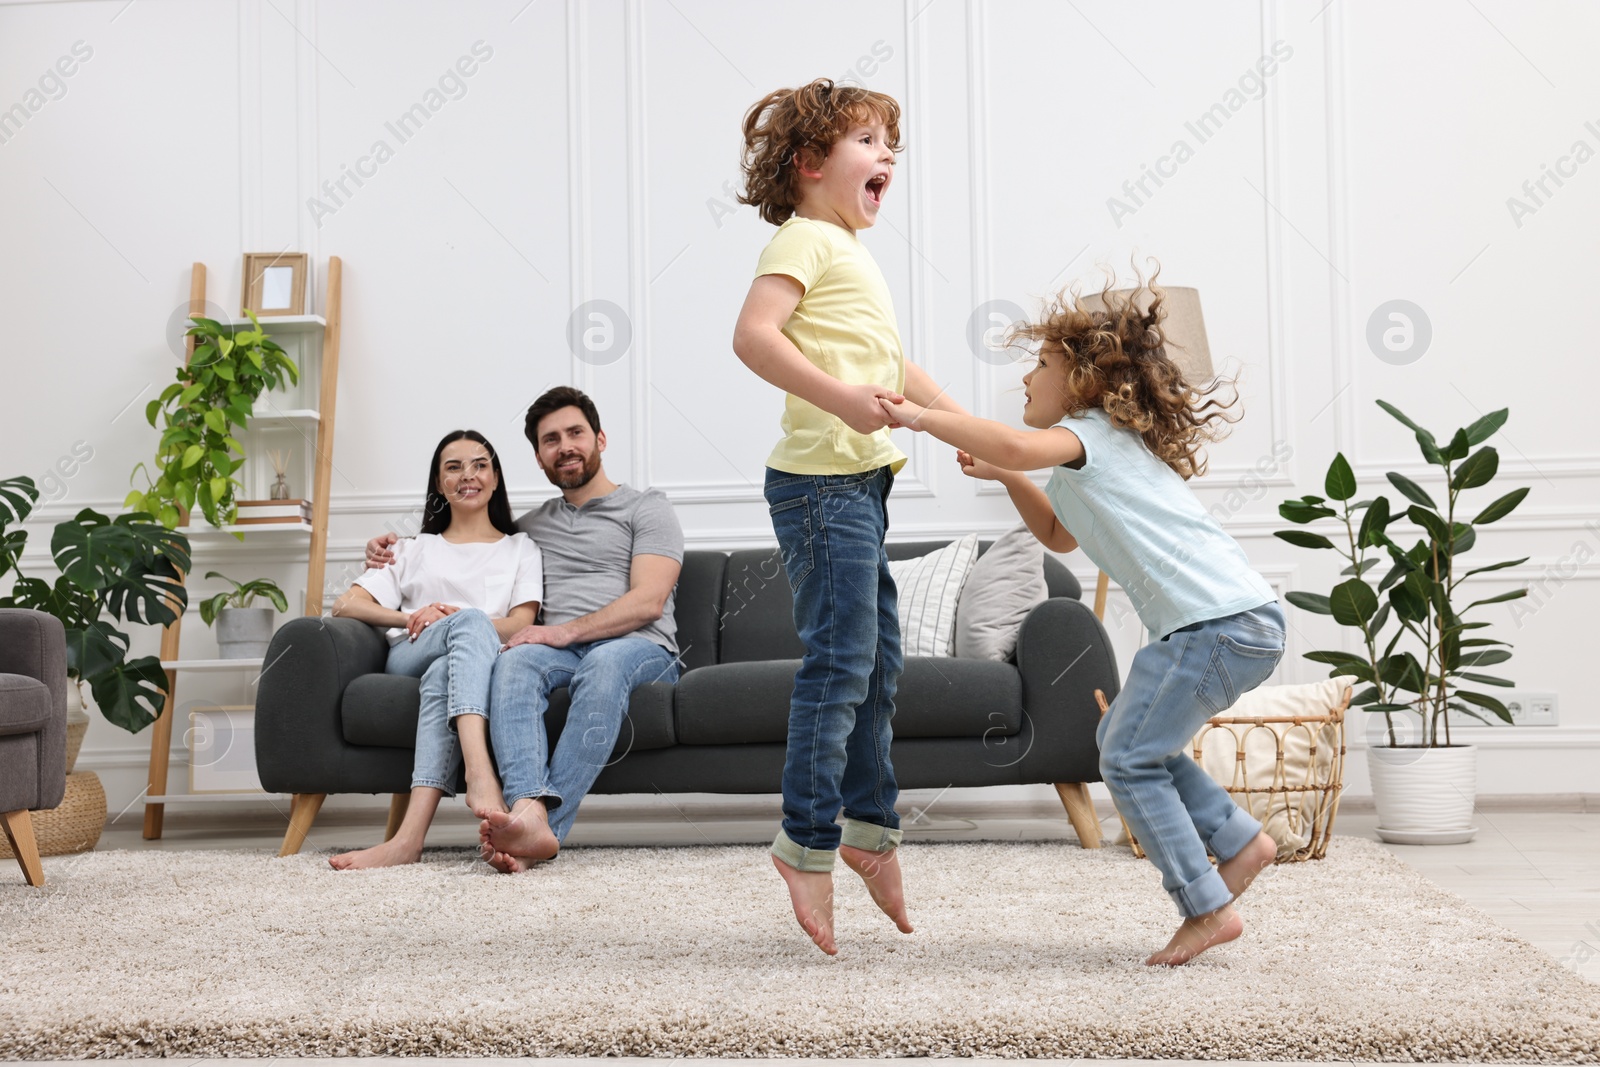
(1184, 327)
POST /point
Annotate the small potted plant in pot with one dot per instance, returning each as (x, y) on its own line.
(243, 632)
(1424, 785)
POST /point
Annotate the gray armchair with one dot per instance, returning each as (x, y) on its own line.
(33, 727)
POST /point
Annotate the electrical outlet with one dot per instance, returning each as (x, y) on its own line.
(1526, 708)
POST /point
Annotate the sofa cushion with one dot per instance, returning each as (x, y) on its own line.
(929, 589)
(24, 705)
(381, 709)
(741, 703)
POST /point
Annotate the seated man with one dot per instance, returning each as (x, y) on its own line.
(611, 560)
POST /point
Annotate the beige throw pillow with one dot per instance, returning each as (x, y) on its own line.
(930, 589)
(1006, 583)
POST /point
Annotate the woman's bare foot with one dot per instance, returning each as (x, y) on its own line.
(485, 796)
(881, 872)
(513, 841)
(811, 893)
(1239, 871)
(394, 852)
(1198, 934)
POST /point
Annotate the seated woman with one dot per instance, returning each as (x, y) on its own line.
(451, 598)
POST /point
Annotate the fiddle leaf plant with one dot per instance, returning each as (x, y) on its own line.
(215, 393)
(1420, 592)
(127, 569)
(242, 595)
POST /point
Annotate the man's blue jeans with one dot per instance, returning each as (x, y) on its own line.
(1172, 806)
(599, 677)
(453, 657)
(831, 531)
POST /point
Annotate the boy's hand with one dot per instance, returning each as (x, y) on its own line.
(974, 467)
(863, 411)
(902, 412)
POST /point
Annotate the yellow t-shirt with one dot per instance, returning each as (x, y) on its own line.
(845, 325)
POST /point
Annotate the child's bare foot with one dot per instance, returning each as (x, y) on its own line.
(811, 893)
(392, 853)
(881, 872)
(1198, 934)
(484, 796)
(513, 841)
(1238, 872)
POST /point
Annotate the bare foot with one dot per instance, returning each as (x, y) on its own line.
(392, 853)
(1198, 934)
(485, 796)
(511, 842)
(811, 893)
(881, 872)
(1238, 872)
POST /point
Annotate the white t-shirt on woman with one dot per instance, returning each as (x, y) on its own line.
(492, 576)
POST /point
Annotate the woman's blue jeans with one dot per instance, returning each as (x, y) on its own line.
(1174, 808)
(831, 532)
(454, 657)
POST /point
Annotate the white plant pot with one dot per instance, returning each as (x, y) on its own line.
(244, 633)
(1424, 795)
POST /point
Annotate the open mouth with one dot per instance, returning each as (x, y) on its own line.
(875, 187)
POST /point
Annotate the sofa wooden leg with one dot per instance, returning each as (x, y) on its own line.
(1080, 810)
(19, 832)
(302, 813)
(398, 803)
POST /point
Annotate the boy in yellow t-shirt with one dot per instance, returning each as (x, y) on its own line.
(818, 323)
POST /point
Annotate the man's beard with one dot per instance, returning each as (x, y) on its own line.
(584, 475)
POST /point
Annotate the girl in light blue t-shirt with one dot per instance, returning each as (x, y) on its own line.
(1120, 430)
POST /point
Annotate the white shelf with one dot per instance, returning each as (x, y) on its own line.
(213, 798)
(282, 323)
(273, 419)
(212, 665)
(197, 532)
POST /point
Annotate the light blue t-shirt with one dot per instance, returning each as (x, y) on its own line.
(1140, 523)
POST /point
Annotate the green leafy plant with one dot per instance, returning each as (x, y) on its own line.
(215, 392)
(1419, 593)
(241, 596)
(127, 569)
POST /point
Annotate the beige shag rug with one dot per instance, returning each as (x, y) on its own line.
(1020, 950)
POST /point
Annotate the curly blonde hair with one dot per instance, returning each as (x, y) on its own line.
(788, 125)
(1116, 359)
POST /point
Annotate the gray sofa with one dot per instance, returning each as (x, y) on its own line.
(328, 720)
(33, 727)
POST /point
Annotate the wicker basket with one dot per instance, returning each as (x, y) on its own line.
(72, 826)
(1301, 801)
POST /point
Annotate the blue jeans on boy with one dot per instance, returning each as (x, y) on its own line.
(599, 677)
(831, 531)
(1174, 809)
(454, 657)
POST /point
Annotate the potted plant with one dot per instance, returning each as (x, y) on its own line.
(127, 569)
(1424, 785)
(216, 391)
(243, 632)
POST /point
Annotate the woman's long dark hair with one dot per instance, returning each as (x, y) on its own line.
(436, 513)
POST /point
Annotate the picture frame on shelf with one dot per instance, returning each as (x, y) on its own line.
(222, 749)
(274, 283)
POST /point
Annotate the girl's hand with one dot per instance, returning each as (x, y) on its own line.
(902, 413)
(974, 467)
(863, 411)
(419, 619)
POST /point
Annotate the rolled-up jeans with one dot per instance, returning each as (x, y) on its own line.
(454, 657)
(599, 677)
(1174, 808)
(830, 531)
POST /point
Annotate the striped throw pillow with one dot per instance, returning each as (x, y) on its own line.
(930, 589)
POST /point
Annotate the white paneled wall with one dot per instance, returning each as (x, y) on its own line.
(491, 172)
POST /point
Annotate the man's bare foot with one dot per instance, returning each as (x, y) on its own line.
(394, 852)
(811, 893)
(1239, 871)
(485, 796)
(881, 872)
(1198, 934)
(513, 841)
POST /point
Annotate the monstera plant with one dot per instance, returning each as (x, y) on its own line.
(122, 570)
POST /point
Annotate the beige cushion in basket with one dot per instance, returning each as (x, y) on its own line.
(1286, 817)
